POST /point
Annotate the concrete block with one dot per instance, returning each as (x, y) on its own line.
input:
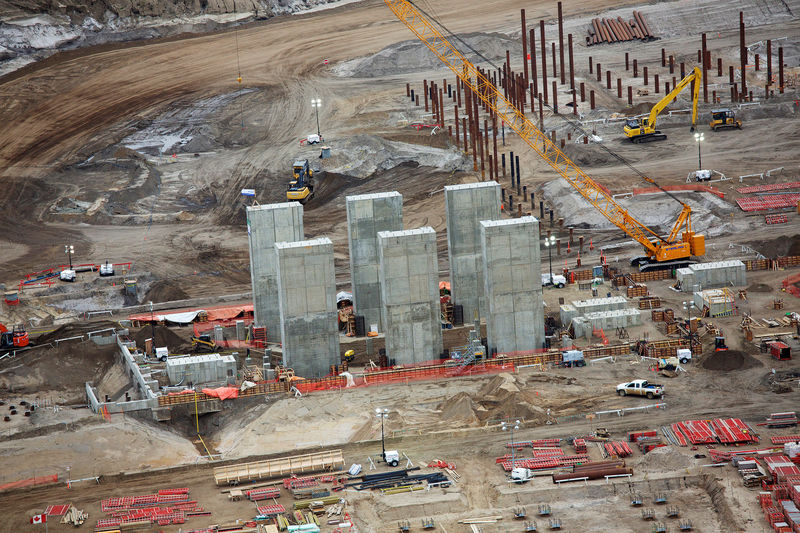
(307, 303)
(368, 214)
(567, 313)
(466, 206)
(511, 262)
(409, 281)
(600, 304)
(198, 369)
(266, 225)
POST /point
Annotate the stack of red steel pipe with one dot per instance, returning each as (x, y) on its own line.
(610, 30)
(593, 470)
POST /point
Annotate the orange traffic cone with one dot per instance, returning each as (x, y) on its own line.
(568, 247)
(591, 246)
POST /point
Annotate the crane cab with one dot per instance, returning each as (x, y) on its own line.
(301, 186)
(724, 118)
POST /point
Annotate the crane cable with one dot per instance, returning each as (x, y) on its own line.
(576, 125)
(238, 68)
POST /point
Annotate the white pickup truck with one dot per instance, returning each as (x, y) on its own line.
(640, 387)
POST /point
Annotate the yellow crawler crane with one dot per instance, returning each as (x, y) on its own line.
(672, 251)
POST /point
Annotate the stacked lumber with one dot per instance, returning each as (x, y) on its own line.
(610, 30)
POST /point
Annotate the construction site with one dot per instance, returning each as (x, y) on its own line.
(392, 266)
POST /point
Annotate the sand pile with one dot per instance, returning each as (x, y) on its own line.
(500, 398)
(729, 360)
(665, 459)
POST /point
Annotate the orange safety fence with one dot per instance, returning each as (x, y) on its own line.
(30, 482)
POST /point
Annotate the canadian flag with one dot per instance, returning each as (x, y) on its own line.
(39, 519)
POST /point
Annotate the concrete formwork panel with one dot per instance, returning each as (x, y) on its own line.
(307, 302)
(717, 274)
(594, 305)
(409, 279)
(266, 225)
(466, 206)
(368, 214)
(513, 284)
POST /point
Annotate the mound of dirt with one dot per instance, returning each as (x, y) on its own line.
(779, 246)
(729, 360)
(163, 337)
(73, 330)
(759, 287)
(500, 398)
(63, 369)
(665, 459)
(164, 291)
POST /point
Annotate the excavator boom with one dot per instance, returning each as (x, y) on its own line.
(695, 76)
(656, 247)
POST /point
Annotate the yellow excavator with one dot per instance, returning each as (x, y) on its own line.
(724, 118)
(644, 130)
(672, 251)
(301, 186)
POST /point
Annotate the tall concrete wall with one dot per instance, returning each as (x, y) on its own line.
(368, 214)
(409, 278)
(466, 206)
(307, 302)
(266, 225)
(513, 284)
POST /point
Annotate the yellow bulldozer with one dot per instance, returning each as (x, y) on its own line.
(724, 118)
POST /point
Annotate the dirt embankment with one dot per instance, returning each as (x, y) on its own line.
(729, 360)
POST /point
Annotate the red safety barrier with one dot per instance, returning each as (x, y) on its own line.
(269, 510)
(771, 187)
(679, 435)
(545, 463)
(732, 431)
(776, 219)
(777, 201)
(785, 438)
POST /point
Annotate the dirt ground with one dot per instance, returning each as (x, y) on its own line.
(138, 154)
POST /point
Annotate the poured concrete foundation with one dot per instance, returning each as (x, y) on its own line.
(712, 275)
(513, 284)
(368, 214)
(307, 301)
(266, 225)
(409, 278)
(466, 206)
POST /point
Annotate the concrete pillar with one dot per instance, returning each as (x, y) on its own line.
(307, 298)
(367, 214)
(465, 207)
(266, 225)
(513, 279)
(409, 277)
